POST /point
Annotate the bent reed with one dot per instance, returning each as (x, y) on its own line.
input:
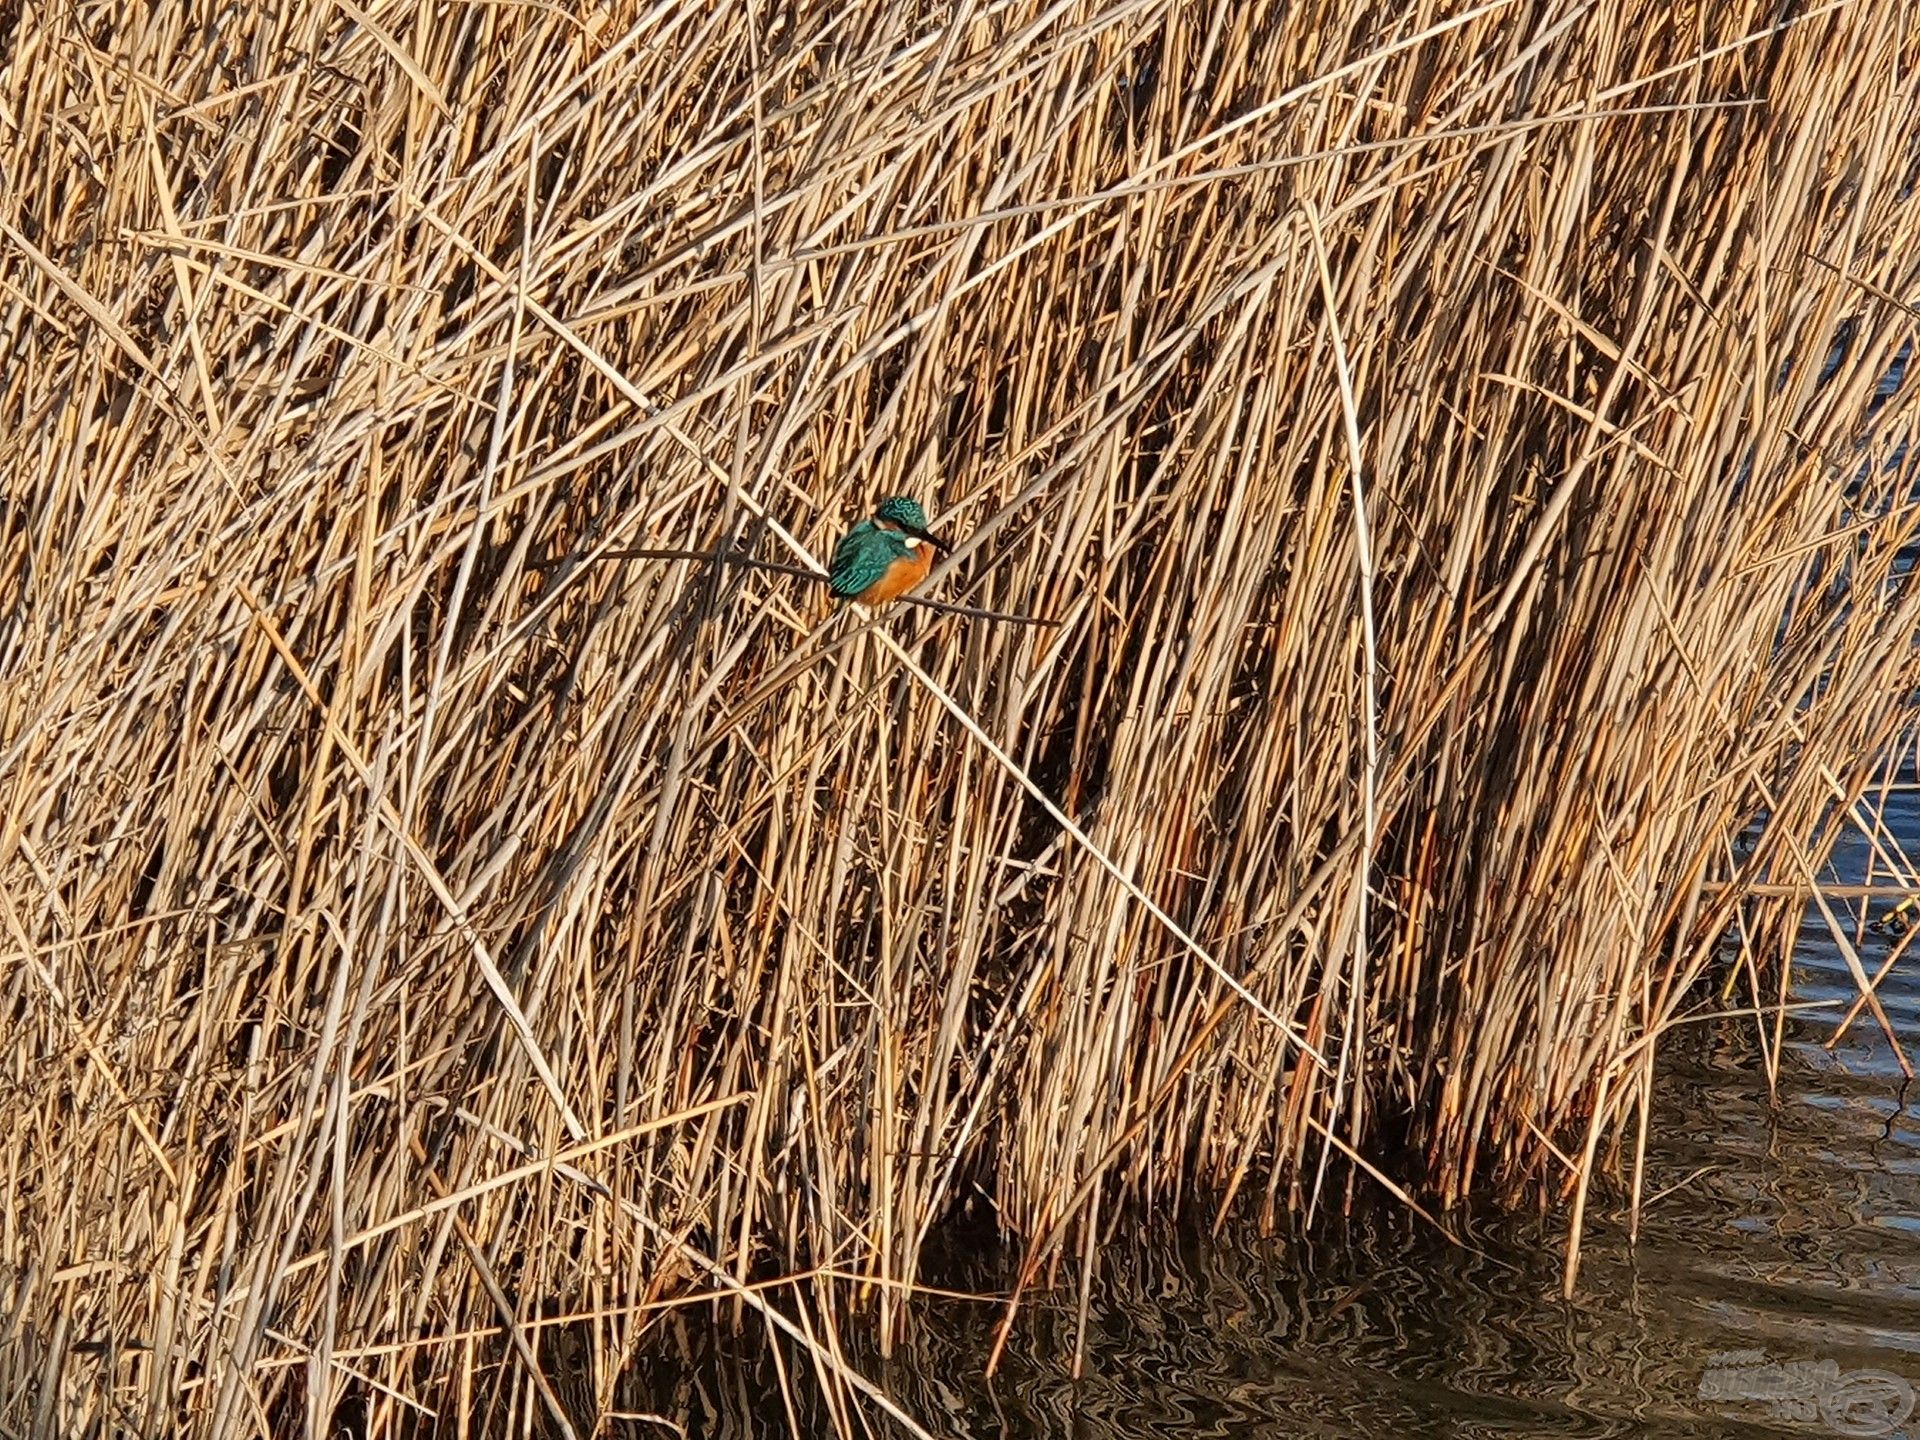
(1445, 445)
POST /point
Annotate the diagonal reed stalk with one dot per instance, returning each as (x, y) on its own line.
(1448, 443)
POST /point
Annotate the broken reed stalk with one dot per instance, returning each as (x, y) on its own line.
(1452, 450)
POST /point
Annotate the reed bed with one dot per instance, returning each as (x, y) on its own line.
(1441, 448)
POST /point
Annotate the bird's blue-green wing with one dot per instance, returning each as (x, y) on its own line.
(861, 558)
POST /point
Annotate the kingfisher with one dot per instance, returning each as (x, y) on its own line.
(885, 555)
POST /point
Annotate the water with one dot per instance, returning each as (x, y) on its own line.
(1774, 1291)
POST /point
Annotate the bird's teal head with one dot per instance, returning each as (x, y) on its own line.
(902, 512)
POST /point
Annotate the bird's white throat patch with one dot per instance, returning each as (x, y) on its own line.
(912, 542)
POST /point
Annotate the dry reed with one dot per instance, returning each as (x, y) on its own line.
(1445, 438)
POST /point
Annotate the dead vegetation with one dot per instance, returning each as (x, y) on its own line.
(1444, 441)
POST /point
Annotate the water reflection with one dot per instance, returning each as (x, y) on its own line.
(1775, 1290)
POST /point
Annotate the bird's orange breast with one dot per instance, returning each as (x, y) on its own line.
(905, 573)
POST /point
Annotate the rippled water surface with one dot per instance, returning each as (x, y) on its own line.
(1775, 1288)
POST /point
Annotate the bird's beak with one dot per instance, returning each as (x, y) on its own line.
(932, 539)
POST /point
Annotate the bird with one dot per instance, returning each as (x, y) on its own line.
(885, 555)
